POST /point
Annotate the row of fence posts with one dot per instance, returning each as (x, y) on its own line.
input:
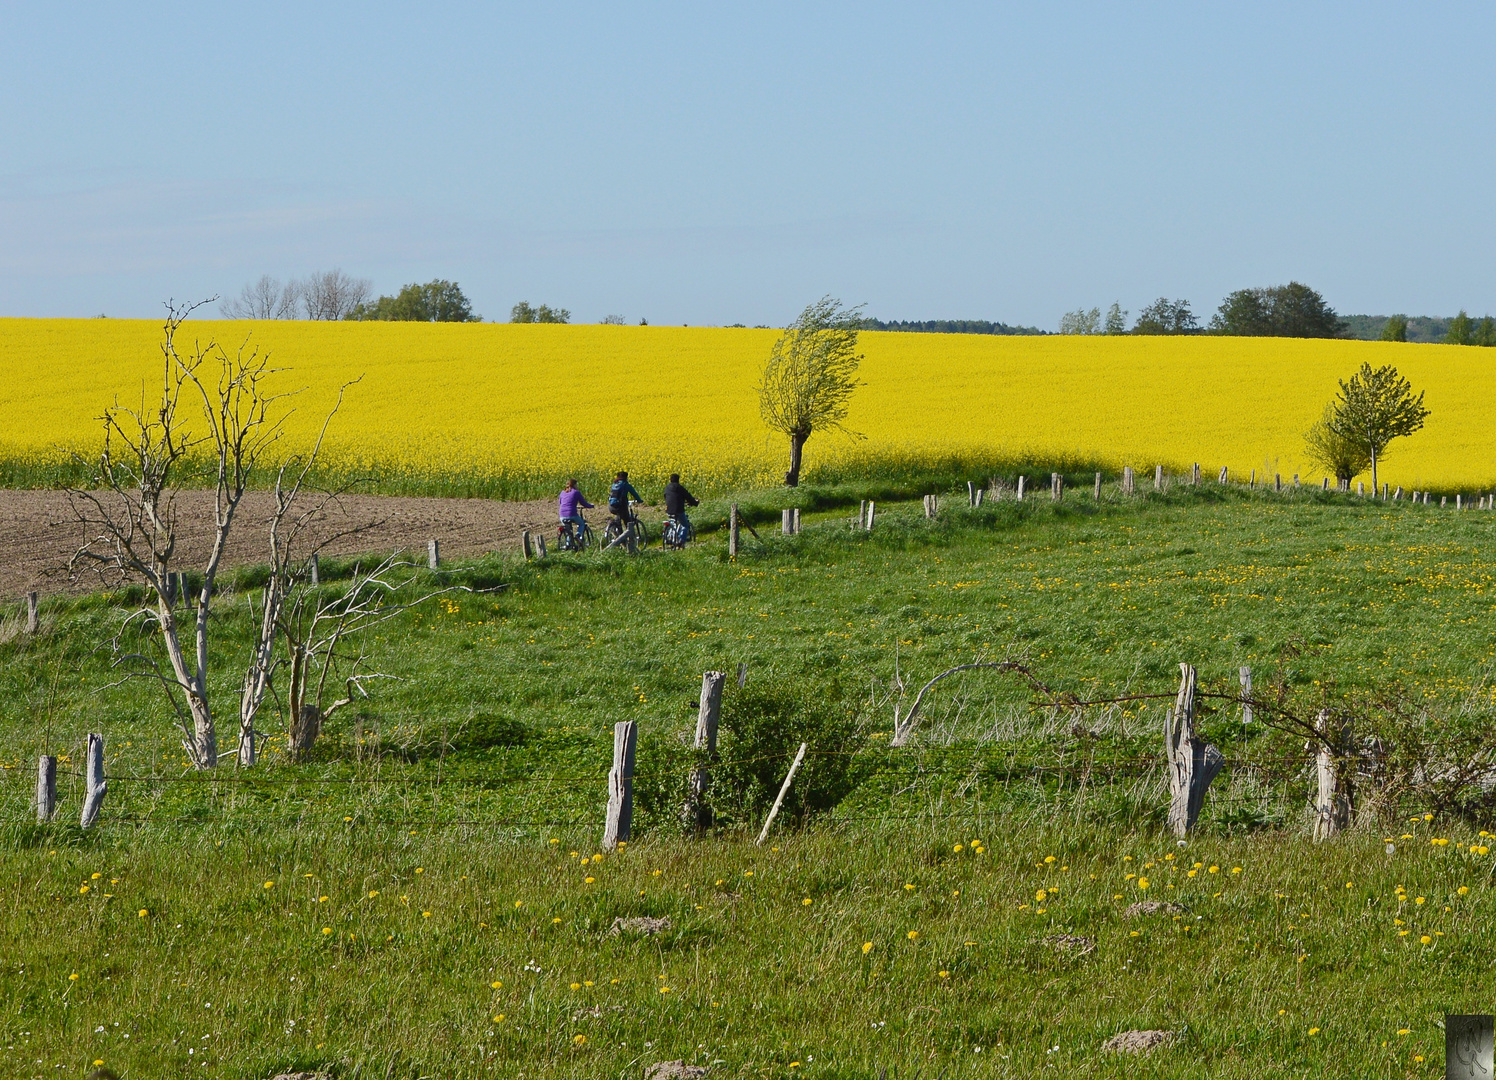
(1192, 764)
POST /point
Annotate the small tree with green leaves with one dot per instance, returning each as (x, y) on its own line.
(522, 312)
(1396, 329)
(1344, 457)
(1081, 321)
(1116, 320)
(1485, 332)
(810, 375)
(1376, 406)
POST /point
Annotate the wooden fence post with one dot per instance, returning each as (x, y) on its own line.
(33, 613)
(871, 510)
(1127, 486)
(861, 515)
(783, 790)
(46, 787)
(1361, 488)
(94, 782)
(1458, 505)
(1246, 692)
(709, 712)
(621, 784)
(316, 570)
(1327, 483)
(742, 675)
(1332, 807)
(971, 493)
(1277, 483)
(1396, 495)
(1425, 498)
(1443, 501)
(1196, 479)
(1021, 480)
(732, 531)
(540, 546)
(784, 523)
(795, 521)
(1098, 487)
(1252, 481)
(1296, 481)
(1223, 475)
(1158, 478)
(1056, 487)
(1193, 764)
(980, 493)
(433, 553)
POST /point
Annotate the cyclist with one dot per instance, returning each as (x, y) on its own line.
(618, 499)
(570, 506)
(677, 498)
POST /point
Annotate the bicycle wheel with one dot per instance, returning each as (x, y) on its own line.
(641, 533)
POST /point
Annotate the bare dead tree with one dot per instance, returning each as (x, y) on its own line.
(289, 569)
(215, 417)
(264, 299)
(332, 294)
(321, 635)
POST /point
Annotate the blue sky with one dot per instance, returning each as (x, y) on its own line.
(703, 164)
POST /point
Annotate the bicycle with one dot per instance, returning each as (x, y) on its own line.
(677, 533)
(570, 538)
(631, 536)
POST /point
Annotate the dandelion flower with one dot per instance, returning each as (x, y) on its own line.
(1314, 1031)
(346, 818)
(1404, 1031)
(82, 889)
(1049, 859)
(1236, 869)
(1418, 1058)
(958, 848)
(657, 873)
(73, 977)
(420, 869)
(327, 929)
(1425, 940)
(1403, 933)
(945, 974)
(321, 899)
(747, 873)
(95, 877)
(98, 1061)
(1192, 873)
(373, 893)
(867, 947)
(587, 982)
(495, 985)
(144, 913)
(1142, 883)
(589, 881)
(269, 884)
(499, 1019)
(556, 920)
(425, 914)
(1041, 896)
(576, 986)
(1418, 899)
(908, 887)
(806, 902)
(579, 1040)
(664, 989)
(913, 935)
(1463, 890)
(1215, 870)
(519, 903)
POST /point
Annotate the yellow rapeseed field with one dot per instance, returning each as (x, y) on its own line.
(508, 409)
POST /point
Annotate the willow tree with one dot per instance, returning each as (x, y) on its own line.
(810, 375)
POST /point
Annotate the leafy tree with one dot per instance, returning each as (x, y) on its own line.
(1375, 407)
(1081, 321)
(1485, 332)
(1344, 457)
(1165, 316)
(1461, 330)
(1116, 320)
(522, 312)
(1396, 329)
(810, 374)
(436, 301)
(1292, 310)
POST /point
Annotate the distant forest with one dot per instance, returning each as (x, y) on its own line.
(952, 326)
(1424, 328)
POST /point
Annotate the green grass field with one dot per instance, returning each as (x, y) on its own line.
(445, 822)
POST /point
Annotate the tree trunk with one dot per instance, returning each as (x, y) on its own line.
(797, 447)
(1373, 468)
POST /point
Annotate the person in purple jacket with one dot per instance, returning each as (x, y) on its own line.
(570, 506)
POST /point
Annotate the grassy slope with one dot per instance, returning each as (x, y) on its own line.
(1341, 591)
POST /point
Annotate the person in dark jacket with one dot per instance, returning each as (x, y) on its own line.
(677, 498)
(618, 498)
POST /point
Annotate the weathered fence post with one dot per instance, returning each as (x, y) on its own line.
(1396, 495)
(732, 531)
(621, 784)
(1246, 692)
(795, 521)
(1127, 480)
(433, 553)
(1458, 503)
(1192, 763)
(1327, 483)
(1425, 498)
(1056, 487)
(1361, 488)
(980, 493)
(1252, 481)
(1158, 478)
(1443, 501)
(316, 570)
(1098, 487)
(46, 787)
(33, 613)
(1020, 488)
(709, 712)
(1277, 483)
(871, 510)
(929, 506)
(1296, 481)
(971, 493)
(1332, 807)
(742, 675)
(861, 515)
(1195, 480)
(540, 546)
(94, 784)
(786, 523)
(783, 790)
(1223, 475)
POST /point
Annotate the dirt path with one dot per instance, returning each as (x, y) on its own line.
(38, 532)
